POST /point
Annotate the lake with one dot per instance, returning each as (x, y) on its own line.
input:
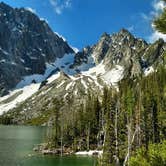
(17, 142)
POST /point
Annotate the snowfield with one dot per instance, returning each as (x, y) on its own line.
(26, 88)
(60, 63)
(25, 93)
(30, 84)
(113, 76)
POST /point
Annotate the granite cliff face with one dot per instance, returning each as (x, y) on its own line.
(48, 71)
(26, 45)
(123, 49)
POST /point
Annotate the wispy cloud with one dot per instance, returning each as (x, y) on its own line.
(145, 16)
(158, 5)
(156, 35)
(60, 5)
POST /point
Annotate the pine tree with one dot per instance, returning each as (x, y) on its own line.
(160, 22)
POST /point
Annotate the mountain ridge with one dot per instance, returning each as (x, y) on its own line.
(27, 44)
(72, 76)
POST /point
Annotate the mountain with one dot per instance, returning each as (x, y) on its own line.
(27, 44)
(44, 68)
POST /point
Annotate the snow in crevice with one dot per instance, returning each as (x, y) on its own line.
(71, 84)
(148, 70)
(84, 84)
(58, 86)
(5, 52)
(76, 92)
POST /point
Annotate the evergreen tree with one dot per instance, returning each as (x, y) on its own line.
(160, 22)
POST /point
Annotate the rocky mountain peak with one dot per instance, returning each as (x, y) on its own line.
(124, 31)
(100, 49)
(105, 35)
(27, 43)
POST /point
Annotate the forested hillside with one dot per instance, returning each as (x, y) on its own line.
(109, 97)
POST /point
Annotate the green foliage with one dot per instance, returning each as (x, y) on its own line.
(40, 120)
(122, 121)
(156, 156)
(160, 22)
(6, 120)
(141, 119)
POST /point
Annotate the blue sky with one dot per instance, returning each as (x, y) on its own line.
(82, 22)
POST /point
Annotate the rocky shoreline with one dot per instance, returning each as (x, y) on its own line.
(46, 150)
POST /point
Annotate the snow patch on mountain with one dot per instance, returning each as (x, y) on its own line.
(60, 84)
(148, 70)
(84, 84)
(113, 76)
(30, 10)
(88, 65)
(76, 50)
(69, 85)
(25, 93)
(95, 70)
(60, 63)
(30, 84)
(59, 35)
(53, 78)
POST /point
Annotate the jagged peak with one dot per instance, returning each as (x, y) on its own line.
(105, 37)
(123, 30)
(105, 34)
(86, 49)
(125, 33)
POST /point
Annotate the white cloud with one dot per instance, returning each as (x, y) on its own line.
(145, 17)
(31, 10)
(157, 35)
(60, 5)
(158, 7)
